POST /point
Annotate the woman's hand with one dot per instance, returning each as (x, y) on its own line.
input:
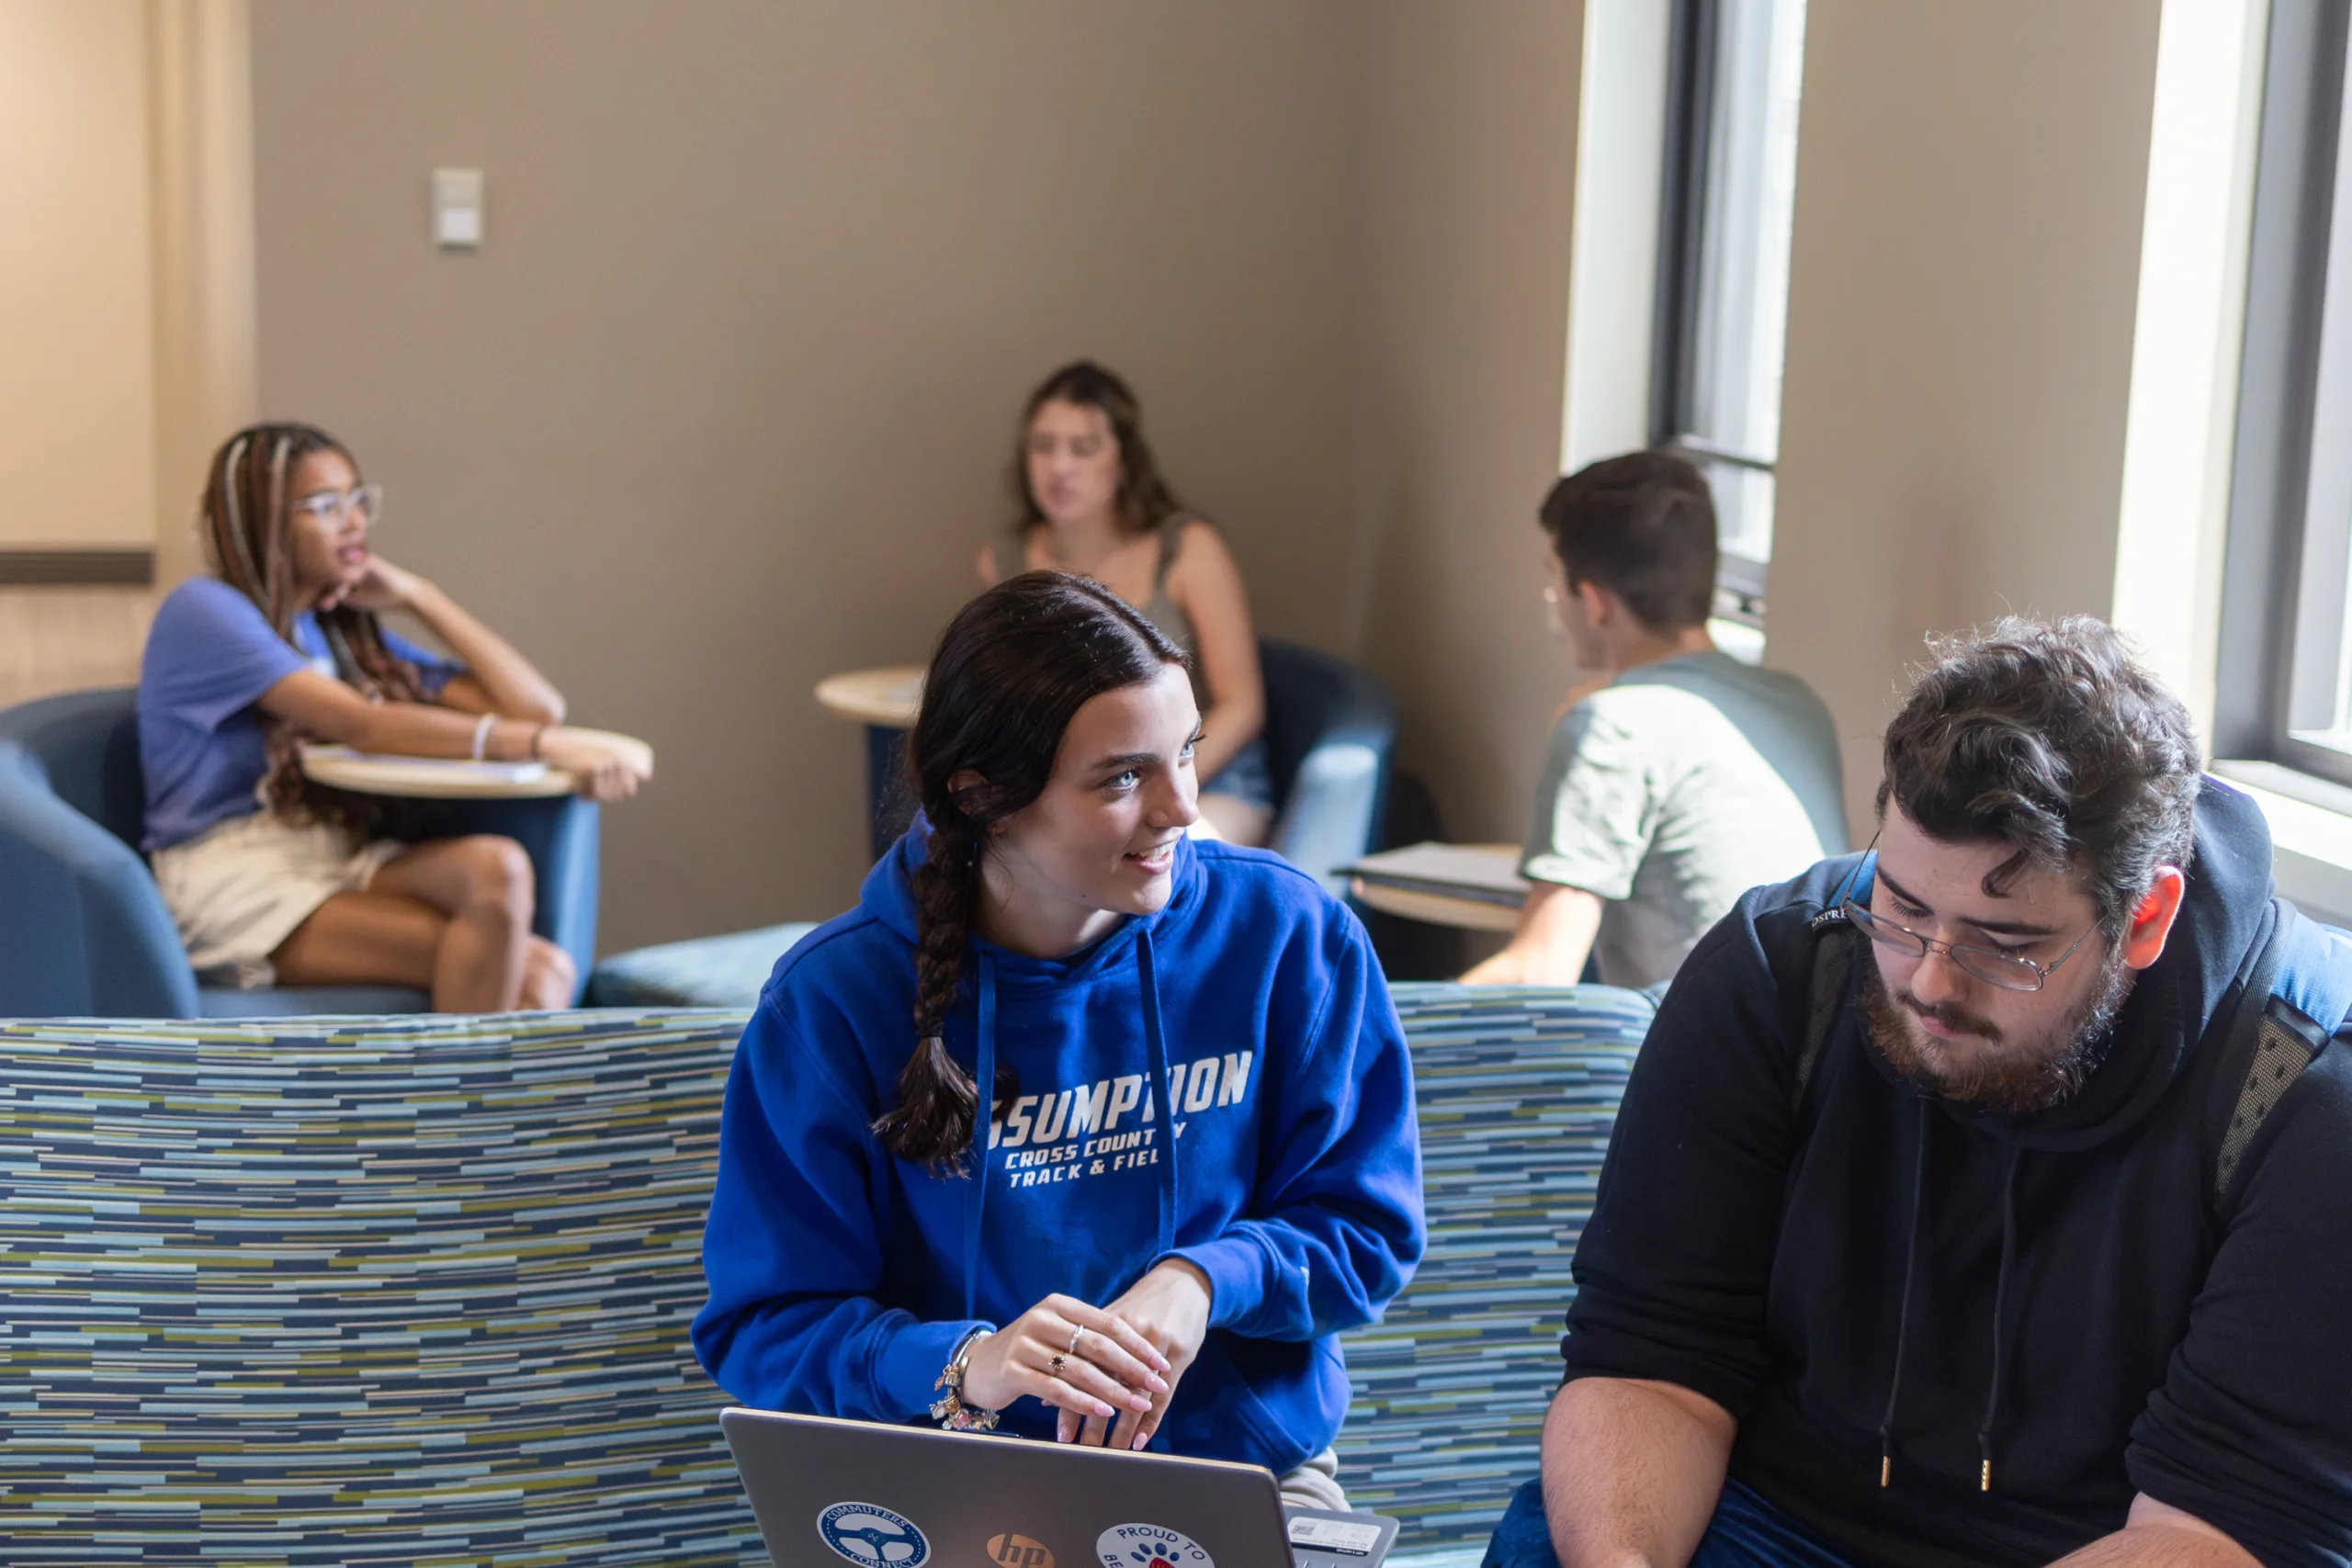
(383, 587)
(1169, 1308)
(599, 770)
(1077, 1358)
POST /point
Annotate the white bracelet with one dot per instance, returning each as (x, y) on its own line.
(481, 734)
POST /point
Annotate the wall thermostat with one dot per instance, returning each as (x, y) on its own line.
(457, 208)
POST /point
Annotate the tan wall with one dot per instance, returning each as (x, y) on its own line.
(1969, 182)
(125, 305)
(725, 403)
(77, 387)
(1470, 114)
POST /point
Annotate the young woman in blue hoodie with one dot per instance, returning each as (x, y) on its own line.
(1198, 1162)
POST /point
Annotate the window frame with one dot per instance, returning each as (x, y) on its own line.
(2280, 365)
(1694, 34)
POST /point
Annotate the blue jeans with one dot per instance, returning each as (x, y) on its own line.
(1747, 1532)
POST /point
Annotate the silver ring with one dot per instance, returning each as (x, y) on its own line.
(1075, 1336)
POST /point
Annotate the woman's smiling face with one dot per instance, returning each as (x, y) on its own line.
(1099, 841)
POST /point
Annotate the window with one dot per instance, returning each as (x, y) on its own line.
(2284, 677)
(1734, 68)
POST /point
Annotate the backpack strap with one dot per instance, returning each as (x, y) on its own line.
(2298, 995)
(1835, 940)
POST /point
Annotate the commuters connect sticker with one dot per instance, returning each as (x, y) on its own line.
(873, 1536)
(1149, 1546)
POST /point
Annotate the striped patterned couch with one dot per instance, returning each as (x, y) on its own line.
(415, 1291)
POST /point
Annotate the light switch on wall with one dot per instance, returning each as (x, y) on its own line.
(457, 208)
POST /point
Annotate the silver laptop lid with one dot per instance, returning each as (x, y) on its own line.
(829, 1492)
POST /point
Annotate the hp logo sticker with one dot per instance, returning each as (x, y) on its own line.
(873, 1536)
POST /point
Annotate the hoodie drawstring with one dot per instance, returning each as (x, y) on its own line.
(2001, 1318)
(2000, 1313)
(1903, 1314)
(983, 1123)
(1156, 1046)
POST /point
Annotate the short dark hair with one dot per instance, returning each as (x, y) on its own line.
(2050, 737)
(1642, 526)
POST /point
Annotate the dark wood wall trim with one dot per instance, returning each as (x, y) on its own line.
(76, 568)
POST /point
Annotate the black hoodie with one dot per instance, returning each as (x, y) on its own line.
(2081, 1321)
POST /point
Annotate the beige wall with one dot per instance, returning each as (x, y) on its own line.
(125, 305)
(1970, 181)
(77, 387)
(725, 403)
(1471, 120)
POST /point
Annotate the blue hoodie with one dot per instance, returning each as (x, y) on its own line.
(1286, 1164)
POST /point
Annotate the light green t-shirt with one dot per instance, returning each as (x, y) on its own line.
(1677, 788)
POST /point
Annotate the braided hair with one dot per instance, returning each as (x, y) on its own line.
(1011, 670)
(248, 531)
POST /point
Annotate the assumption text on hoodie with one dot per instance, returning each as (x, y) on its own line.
(1224, 1081)
(2044, 1313)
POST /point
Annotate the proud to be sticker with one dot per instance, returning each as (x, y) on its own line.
(1149, 1546)
(872, 1536)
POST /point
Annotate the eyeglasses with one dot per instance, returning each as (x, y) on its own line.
(2010, 971)
(364, 502)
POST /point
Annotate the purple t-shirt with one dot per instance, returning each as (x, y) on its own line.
(211, 655)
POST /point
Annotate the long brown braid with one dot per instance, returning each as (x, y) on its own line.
(1011, 670)
(249, 543)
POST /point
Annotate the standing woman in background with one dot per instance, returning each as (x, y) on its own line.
(268, 880)
(1093, 503)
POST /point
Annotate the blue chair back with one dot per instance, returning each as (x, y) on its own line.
(1330, 739)
(87, 745)
(1517, 1089)
(391, 1291)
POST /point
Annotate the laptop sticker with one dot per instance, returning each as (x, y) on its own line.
(873, 1536)
(1149, 1546)
(1019, 1551)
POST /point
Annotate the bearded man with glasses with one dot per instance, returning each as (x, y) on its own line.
(2020, 1231)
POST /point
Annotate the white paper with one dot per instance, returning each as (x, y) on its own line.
(1343, 1536)
(1492, 868)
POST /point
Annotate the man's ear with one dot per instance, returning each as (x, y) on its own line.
(1600, 606)
(2153, 917)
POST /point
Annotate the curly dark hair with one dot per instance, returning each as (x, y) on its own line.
(1013, 668)
(2050, 736)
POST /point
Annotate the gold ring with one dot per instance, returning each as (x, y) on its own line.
(1057, 1363)
(1075, 1336)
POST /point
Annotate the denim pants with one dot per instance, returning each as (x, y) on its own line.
(1747, 1532)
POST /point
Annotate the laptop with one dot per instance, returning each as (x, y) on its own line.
(830, 1492)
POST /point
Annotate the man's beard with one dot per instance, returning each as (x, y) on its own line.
(1997, 1072)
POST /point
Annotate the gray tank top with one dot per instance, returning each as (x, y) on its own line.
(1160, 610)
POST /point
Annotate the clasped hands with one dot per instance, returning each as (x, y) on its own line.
(1109, 1371)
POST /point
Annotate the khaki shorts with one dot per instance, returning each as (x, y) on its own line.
(238, 890)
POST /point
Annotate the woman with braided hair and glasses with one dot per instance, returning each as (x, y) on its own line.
(1195, 1162)
(269, 879)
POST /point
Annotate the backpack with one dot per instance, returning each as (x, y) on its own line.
(2302, 972)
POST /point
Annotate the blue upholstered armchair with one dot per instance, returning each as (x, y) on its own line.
(1331, 733)
(84, 932)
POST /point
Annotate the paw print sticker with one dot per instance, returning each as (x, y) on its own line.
(1149, 1546)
